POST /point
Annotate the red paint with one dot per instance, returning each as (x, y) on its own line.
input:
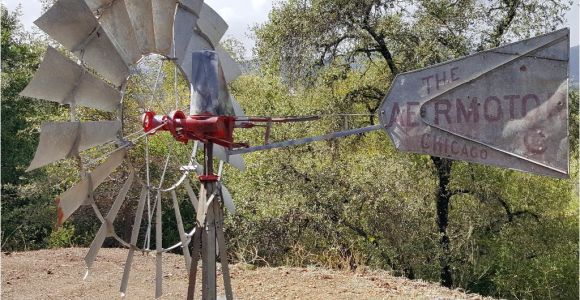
(465, 111)
(440, 79)
(451, 147)
(59, 213)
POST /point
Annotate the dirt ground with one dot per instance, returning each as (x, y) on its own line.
(58, 274)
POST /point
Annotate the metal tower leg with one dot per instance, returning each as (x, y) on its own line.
(209, 230)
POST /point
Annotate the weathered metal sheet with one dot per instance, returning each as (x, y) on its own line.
(192, 5)
(228, 200)
(73, 198)
(209, 90)
(59, 140)
(185, 62)
(72, 24)
(212, 24)
(163, 17)
(141, 16)
(229, 65)
(106, 228)
(183, 29)
(504, 107)
(61, 80)
(116, 22)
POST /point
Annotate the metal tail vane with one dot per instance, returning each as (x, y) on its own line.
(504, 107)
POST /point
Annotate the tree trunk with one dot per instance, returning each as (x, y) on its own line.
(443, 167)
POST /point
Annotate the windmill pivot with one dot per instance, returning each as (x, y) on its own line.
(205, 128)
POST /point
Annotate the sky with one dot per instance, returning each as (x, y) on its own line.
(241, 15)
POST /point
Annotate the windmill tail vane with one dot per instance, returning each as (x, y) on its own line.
(110, 38)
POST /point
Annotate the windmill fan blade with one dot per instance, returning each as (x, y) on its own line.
(72, 24)
(60, 140)
(211, 24)
(237, 161)
(228, 200)
(76, 196)
(141, 16)
(185, 58)
(116, 22)
(107, 227)
(238, 110)
(183, 29)
(229, 66)
(61, 80)
(163, 16)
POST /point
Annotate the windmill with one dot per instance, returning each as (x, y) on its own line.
(504, 107)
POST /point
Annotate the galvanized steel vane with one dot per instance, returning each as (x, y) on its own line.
(110, 38)
(503, 107)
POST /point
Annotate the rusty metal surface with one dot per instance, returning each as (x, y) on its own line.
(59, 140)
(72, 24)
(504, 107)
(61, 80)
(73, 198)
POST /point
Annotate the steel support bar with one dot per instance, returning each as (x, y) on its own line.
(209, 236)
(284, 144)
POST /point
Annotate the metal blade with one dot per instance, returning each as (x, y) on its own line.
(181, 230)
(163, 17)
(183, 29)
(116, 22)
(134, 237)
(185, 61)
(141, 16)
(229, 66)
(65, 139)
(238, 110)
(72, 24)
(68, 202)
(228, 200)
(107, 229)
(237, 161)
(211, 24)
(194, 6)
(61, 80)
(159, 249)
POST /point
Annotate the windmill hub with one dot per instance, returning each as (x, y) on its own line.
(204, 128)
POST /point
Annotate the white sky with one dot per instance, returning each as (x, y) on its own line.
(241, 15)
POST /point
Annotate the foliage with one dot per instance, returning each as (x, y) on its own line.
(349, 203)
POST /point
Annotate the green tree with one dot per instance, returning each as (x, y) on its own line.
(322, 48)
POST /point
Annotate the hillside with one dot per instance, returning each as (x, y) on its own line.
(57, 274)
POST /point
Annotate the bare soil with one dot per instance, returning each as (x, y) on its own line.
(58, 274)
